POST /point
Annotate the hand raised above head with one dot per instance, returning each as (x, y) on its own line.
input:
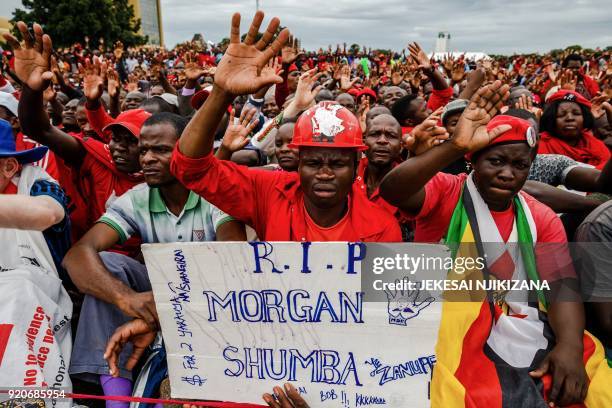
(33, 58)
(241, 70)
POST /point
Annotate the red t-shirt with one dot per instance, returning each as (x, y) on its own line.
(272, 202)
(443, 192)
(336, 232)
(48, 163)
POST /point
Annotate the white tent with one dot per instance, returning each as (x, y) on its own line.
(470, 56)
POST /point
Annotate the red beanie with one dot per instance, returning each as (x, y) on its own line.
(521, 131)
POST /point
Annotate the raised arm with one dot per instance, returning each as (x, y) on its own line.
(242, 70)
(418, 55)
(89, 274)
(404, 186)
(32, 66)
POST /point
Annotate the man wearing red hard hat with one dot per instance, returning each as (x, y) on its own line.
(318, 203)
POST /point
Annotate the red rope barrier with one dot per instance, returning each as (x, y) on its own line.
(207, 404)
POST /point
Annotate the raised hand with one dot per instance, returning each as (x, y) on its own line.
(419, 56)
(305, 93)
(362, 112)
(49, 94)
(526, 103)
(345, 79)
(93, 83)
(33, 60)
(113, 83)
(568, 80)
(193, 71)
(426, 135)
(240, 71)
(136, 332)
(237, 134)
(597, 108)
(290, 52)
(458, 72)
(397, 77)
(471, 130)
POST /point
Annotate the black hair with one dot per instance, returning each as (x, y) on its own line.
(176, 121)
(82, 101)
(572, 57)
(399, 110)
(162, 106)
(549, 117)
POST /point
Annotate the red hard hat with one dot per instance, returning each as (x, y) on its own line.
(328, 124)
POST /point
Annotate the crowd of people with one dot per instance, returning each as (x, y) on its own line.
(104, 150)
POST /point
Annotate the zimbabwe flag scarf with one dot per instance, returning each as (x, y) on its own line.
(486, 347)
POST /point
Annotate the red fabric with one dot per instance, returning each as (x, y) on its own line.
(442, 193)
(572, 96)
(337, 232)
(407, 129)
(376, 198)
(98, 120)
(344, 133)
(272, 202)
(439, 98)
(101, 183)
(520, 131)
(10, 188)
(48, 163)
(477, 372)
(5, 333)
(589, 149)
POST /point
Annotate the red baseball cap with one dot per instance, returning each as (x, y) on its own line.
(521, 132)
(198, 99)
(131, 120)
(571, 96)
(367, 91)
(328, 124)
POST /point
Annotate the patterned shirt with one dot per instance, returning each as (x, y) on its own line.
(142, 211)
(552, 168)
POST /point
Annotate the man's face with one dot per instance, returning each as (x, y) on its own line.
(347, 101)
(383, 136)
(69, 113)
(500, 172)
(155, 148)
(451, 123)
(287, 158)
(418, 111)
(83, 123)
(569, 121)
(574, 65)
(124, 150)
(292, 80)
(326, 174)
(133, 100)
(269, 108)
(392, 94)
(157, 90)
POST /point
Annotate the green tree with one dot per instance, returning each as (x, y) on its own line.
(69, 21)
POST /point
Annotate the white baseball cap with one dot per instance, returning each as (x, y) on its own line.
(9, 102)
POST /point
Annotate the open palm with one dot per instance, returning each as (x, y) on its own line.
(471, 131)
(241, 70)
(33, 59)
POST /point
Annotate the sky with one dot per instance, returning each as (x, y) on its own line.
(491, 26)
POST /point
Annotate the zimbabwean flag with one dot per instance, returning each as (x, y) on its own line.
(485, 349)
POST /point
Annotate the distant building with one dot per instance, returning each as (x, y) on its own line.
(5, 25)
(443, 41)
(149, 13)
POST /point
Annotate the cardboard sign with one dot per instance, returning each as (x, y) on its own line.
(240, 318)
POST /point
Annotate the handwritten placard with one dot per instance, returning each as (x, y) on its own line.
(240, 318)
